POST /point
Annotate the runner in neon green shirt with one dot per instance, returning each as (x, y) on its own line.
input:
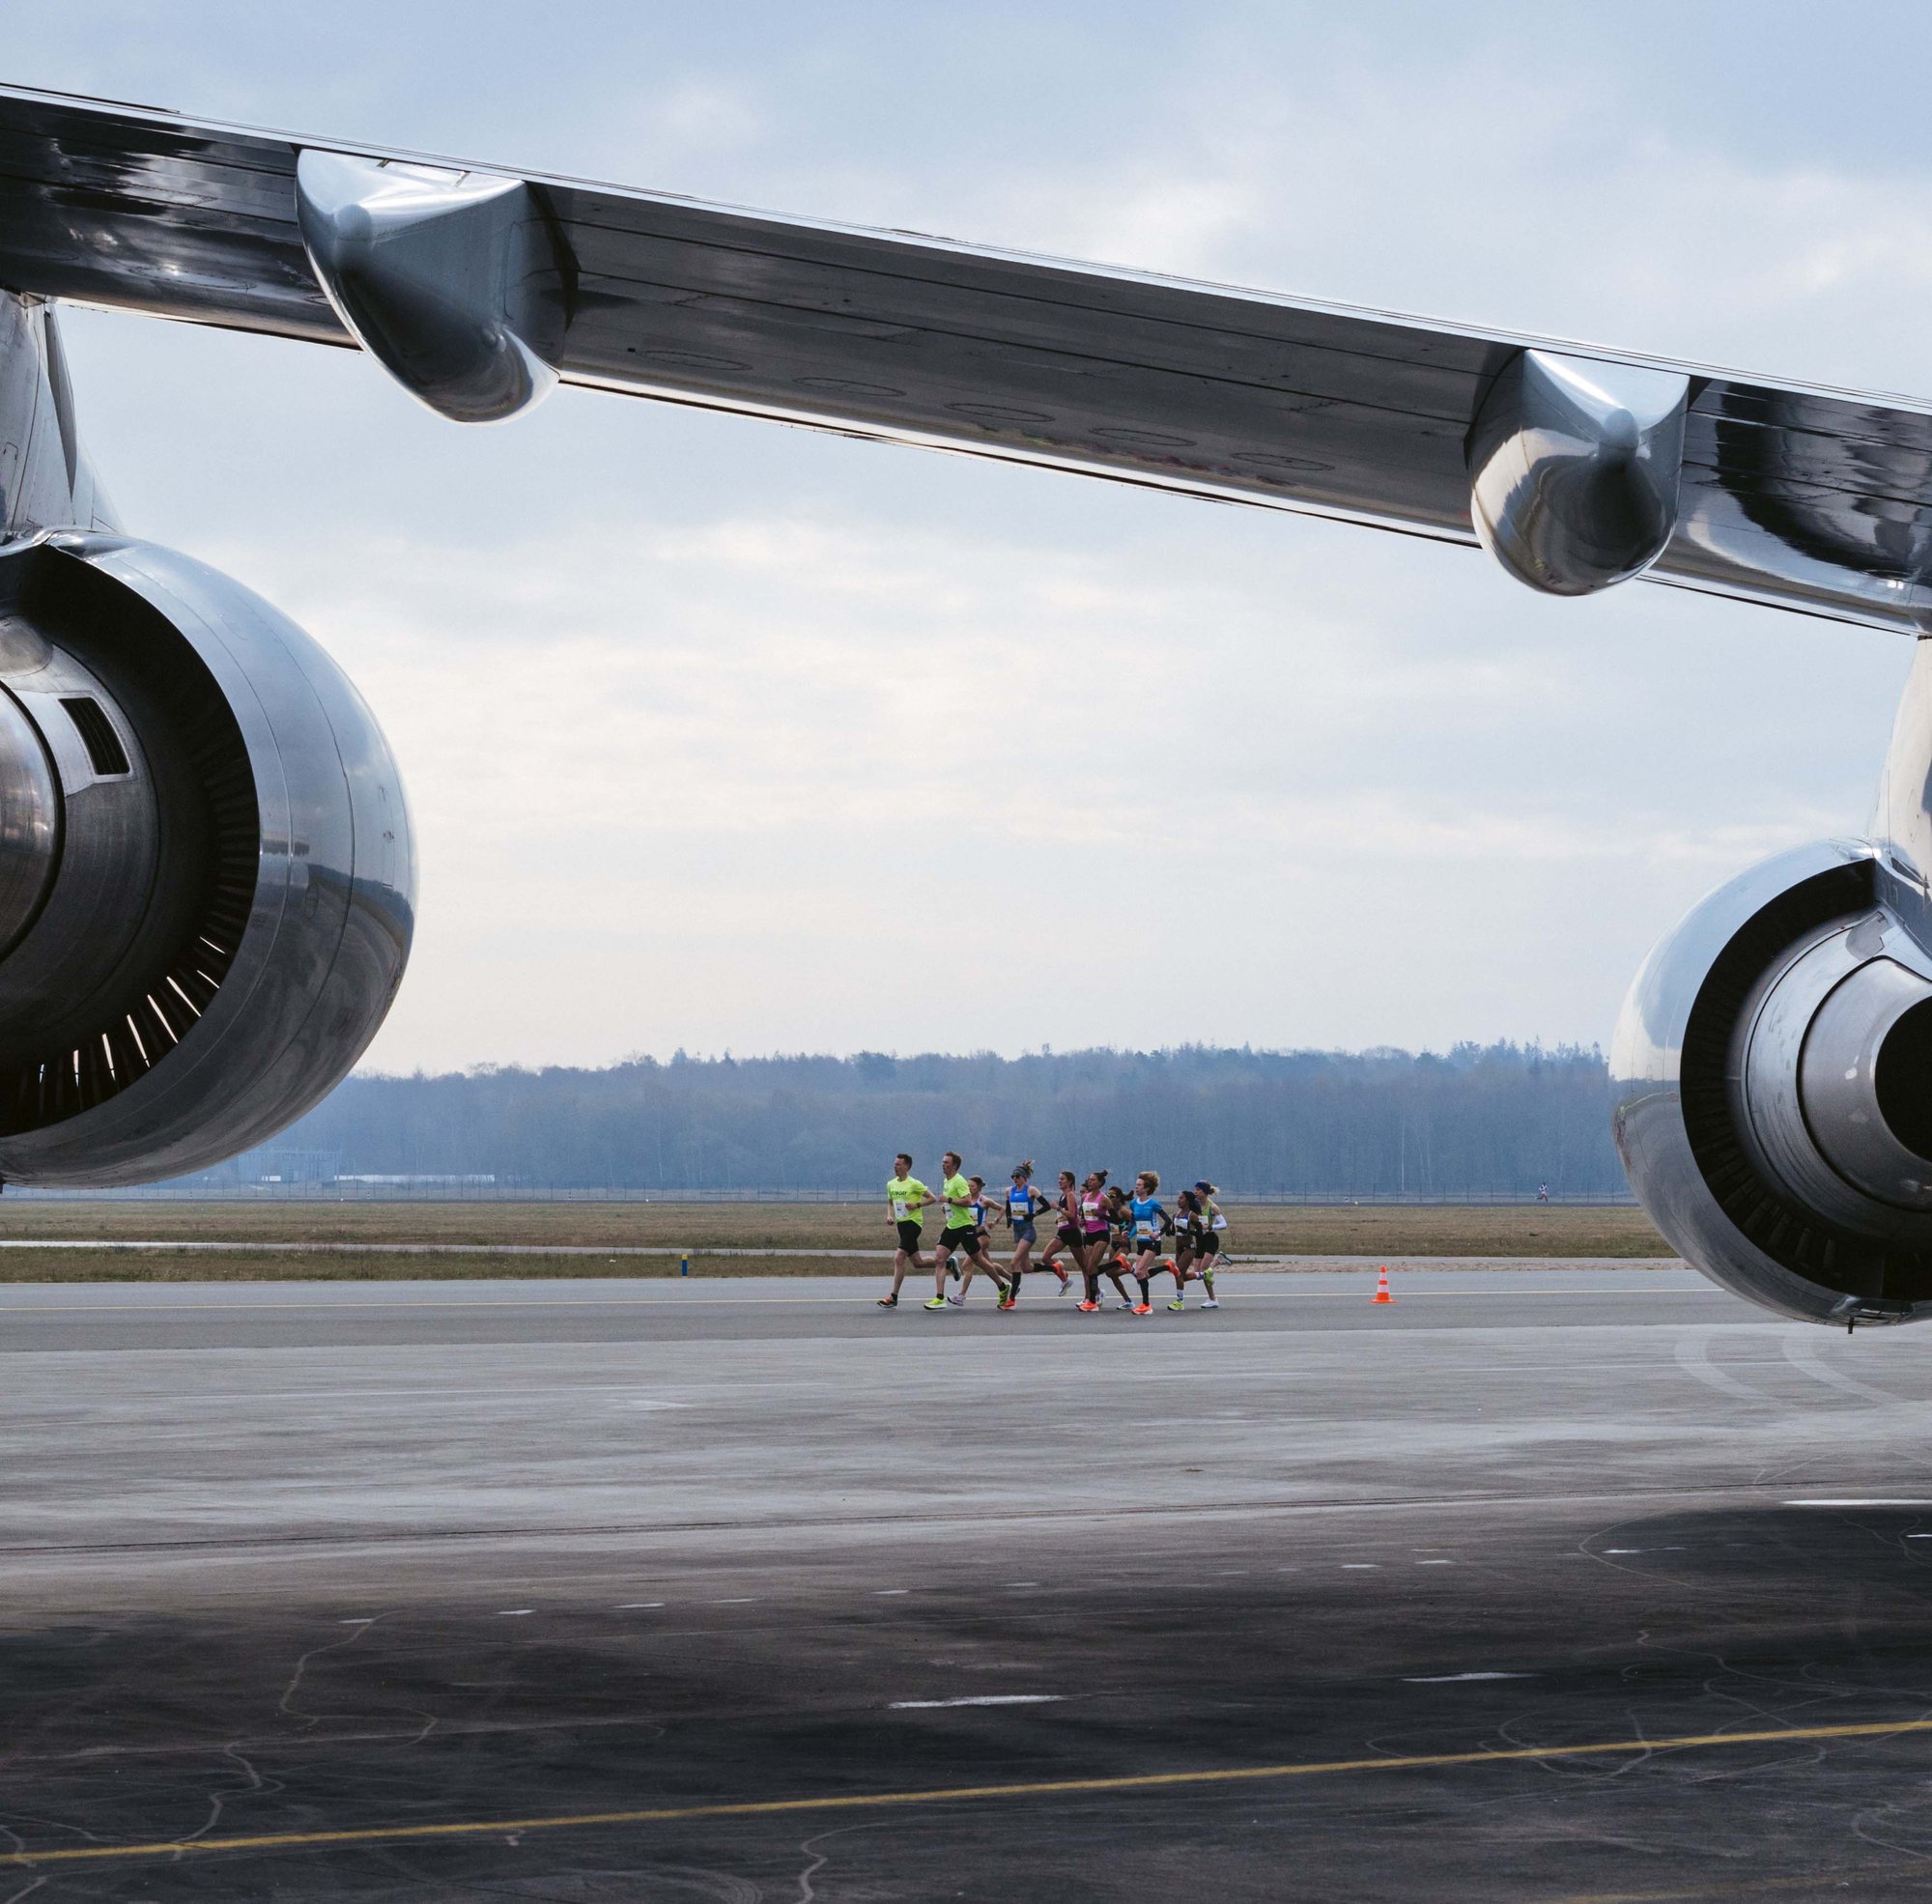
(962, 1234)
(906, 1199)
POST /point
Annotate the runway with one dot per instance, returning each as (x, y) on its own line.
(1541, 1584)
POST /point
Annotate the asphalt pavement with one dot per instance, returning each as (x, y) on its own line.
(1537, 1584)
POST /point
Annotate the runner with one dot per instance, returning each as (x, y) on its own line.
(977, 1209)
(906, 1199)
(1067, 1236)
(1213, 1243)
(1091, 1247)
(1118, 1255)
(961, 1235)
(1148, 1221)
(1189, 1225)
(1023, 1204)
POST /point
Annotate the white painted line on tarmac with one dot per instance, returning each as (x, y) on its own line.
(978, 1699)
(1869, 1504)
(633, 1606)
(514, 1612)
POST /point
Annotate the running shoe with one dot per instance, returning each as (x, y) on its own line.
(956, 1302)
(1210, 1303)
(1177, 1303)
(1142, 1309)
(888, 1302)
(1009, 1302)
(1090, 1307)
(1066, 1281)
(937, 1302)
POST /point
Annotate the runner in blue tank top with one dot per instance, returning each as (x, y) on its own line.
(1023, 1204)
(1148, 1223)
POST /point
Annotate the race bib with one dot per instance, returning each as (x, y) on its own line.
(902, 1210)
(1144, 1226)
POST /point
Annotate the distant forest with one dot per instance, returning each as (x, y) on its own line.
(1495, 1119)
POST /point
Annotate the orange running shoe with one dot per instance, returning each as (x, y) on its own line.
(1090, 1307)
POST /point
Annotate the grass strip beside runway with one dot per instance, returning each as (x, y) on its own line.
(373, 1834)
(1258, 1229)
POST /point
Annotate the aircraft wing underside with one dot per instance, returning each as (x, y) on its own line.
(1815, 500)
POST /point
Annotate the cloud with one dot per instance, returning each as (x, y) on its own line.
(781, 777)
(701, 117)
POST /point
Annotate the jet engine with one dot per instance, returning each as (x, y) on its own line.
(1772, 1066)
(207, 882)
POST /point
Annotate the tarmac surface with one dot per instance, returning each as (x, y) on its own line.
(1540, 1585)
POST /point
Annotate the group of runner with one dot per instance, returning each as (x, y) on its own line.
(1101, 1232)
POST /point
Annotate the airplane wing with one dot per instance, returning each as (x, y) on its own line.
(1809, 499)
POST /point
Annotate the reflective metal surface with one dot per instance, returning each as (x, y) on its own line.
(1574, 469)
(1807, 498)
(30, 822)
(1839, 1087)
(1800, 1079)
(449, 279)
(102, 912)
(45, 478)
(174, 1011)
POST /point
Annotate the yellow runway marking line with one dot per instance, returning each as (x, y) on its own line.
(949, 1795)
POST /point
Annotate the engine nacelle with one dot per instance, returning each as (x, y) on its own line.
(206, 876)
(1773, 1070)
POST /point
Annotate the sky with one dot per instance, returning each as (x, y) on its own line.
(726, 736)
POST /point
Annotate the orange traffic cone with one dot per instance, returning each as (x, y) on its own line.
(1382, 1284)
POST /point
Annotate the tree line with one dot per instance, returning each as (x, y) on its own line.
(1498, 1119)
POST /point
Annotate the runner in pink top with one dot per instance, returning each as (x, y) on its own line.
(1094, 1230)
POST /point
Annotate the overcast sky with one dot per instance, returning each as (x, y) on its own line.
(723, 735)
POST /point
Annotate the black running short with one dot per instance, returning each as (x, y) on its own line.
(966, 1238)
(910, 1236)
(1067, 1235)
